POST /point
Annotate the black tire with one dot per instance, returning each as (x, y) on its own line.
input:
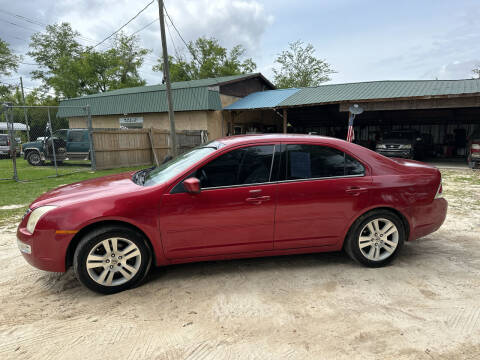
(34, 158)
(92, 242)
(352, 242)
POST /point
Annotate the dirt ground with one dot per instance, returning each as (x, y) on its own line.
(322, 306)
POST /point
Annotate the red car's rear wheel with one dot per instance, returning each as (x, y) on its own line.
(376, 238)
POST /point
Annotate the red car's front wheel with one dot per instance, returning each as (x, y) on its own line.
(112, 259)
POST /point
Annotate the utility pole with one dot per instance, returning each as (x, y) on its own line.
(25, 109)
(166, 76)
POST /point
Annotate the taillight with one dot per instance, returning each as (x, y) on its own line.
(475, 147)
(8, 142)
(439, 193)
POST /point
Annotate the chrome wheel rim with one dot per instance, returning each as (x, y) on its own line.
(378, 239)
(113, 261)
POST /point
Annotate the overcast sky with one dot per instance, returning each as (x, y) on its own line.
(363, 40)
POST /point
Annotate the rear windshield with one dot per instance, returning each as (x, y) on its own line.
(3, 140)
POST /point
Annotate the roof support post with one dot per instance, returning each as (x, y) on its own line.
(284, 121)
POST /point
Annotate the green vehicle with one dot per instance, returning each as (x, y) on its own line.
(69, 144)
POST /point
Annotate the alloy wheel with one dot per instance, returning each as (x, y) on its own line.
(113, 261)
(378, 239)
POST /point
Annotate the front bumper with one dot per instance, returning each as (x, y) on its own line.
(44, 249)
(406, 154)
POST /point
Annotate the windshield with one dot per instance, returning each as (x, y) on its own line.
(178, 165)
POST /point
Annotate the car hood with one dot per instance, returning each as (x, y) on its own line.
(396, 141)
(106, 186)
(32, 144)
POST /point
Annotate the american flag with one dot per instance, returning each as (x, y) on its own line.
(350, 133)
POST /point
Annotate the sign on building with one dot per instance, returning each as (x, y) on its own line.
(132, 122)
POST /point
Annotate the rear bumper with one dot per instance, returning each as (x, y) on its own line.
(428, 218)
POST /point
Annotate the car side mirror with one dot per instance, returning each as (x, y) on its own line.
(192, 185)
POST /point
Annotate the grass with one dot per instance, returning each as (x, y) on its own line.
(24, 192)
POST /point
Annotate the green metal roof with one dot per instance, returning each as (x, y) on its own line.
(381, 90)
(187, 96)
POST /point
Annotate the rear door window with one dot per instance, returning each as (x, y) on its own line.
(315, 161)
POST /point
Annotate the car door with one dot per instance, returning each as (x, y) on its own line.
(233, 213)
(77, 143)
(322, 189)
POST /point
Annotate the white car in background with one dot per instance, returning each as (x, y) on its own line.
(5, 146)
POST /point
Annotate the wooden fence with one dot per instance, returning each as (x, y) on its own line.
(134, 147)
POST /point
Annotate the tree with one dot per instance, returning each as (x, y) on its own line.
(207, 59)
(8, 60)
(54, 51)
(300, 68)
(116, 68)
(8, 63)
(130, 58)
(72, 70)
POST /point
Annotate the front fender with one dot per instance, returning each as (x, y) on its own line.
(27, 150)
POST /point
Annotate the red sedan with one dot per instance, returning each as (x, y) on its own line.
(236, 197)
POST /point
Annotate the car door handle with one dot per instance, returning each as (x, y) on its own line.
(355, 190)
(257, 200)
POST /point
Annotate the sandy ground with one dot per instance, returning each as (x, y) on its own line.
(322, 306)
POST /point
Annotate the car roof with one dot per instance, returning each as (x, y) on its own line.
(244, 139)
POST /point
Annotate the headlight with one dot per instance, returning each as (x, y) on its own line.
(405, 146)
(36, 215)
(381, 146)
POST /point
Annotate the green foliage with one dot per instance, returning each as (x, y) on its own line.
(300, 68)
(208, 59)
(8, 60)
(8, 63)
(72, 70)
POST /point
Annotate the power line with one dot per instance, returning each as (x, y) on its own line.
(171, 38)
(41, 24)
(180, 35)
(15, 24)
(128, 22)
(24, 18)
(143, 28)
(14, 37)
(84, 38)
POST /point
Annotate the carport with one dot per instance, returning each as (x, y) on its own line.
(445, 112)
